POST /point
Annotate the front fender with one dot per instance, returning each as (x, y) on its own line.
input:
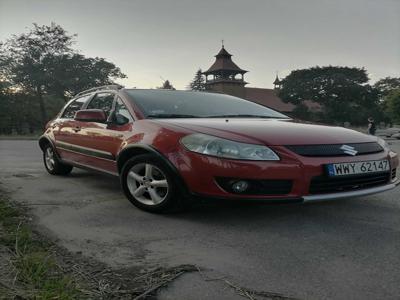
(138, 149)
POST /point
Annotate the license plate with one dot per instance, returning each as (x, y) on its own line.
(361, 167)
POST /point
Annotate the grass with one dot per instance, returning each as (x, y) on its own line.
(35, 272)
(39, 269)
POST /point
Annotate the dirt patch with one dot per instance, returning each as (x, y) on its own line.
(33, 266)
(23, 175)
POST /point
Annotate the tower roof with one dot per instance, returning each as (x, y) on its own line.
(223, 53)
(277, 81)
(223, 62)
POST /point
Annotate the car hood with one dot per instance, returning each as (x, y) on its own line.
(270, 131)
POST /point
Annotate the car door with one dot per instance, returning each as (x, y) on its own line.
(100, 142)
(65, 129)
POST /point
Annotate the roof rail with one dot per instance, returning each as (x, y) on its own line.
(103, 87)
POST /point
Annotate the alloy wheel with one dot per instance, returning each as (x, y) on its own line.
(147, 184)
(49, 158)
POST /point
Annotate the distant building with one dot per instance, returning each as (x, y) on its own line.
(226, 77)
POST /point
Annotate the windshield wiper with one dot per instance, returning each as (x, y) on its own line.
(166, 116)
(242, 116)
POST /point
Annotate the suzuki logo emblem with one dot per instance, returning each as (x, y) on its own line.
(349, 150)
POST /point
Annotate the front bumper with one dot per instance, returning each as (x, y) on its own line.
(200, 173)
(309, 198)
(351, 194)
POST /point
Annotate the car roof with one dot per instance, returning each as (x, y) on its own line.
(135, 91)
(110, 87)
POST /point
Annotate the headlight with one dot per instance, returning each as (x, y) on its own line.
(211, 145)
(383, 143)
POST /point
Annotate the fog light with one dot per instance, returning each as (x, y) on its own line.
(240, 186)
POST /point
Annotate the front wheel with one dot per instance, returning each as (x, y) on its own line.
(149, 184)
(53, 165)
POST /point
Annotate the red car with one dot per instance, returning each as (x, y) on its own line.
(168, 146)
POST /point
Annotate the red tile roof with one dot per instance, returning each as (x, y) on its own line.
(268, 97)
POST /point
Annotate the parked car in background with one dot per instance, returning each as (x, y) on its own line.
(168, 146)
(388, 132)
(396, 136)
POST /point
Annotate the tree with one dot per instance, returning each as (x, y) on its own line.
(387, 85)
(74, 73)
(29, 56)
(393, 105)
(343, 92)
(167, 86)
(43, 62)
(198, 83)
(4, 108)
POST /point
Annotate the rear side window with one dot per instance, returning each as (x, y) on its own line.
(74, 106)
(102, 101)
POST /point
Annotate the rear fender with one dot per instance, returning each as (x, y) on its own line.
(44, 140)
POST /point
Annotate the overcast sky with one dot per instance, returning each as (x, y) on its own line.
(171, 39)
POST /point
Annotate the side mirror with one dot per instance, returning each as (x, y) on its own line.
(91, 115)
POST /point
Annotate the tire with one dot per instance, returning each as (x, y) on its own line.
(52, 163)
(138, 177)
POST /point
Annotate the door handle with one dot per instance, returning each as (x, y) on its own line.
(76, 129)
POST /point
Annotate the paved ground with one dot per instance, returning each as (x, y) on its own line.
(346, 249)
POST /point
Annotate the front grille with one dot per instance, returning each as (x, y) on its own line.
(257, 187)
(324, 184)
(334, 149)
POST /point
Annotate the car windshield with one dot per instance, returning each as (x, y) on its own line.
(190, 104)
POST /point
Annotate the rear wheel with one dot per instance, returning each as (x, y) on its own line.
(53, 164)
(149, 184)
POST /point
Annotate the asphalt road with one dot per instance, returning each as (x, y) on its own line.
(348, 249)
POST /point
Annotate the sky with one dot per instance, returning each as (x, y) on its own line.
(170, 39)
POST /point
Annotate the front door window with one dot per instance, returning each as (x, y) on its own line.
(102, 101)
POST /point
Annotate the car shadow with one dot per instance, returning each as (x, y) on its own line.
(237, 211)
(343, 213)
